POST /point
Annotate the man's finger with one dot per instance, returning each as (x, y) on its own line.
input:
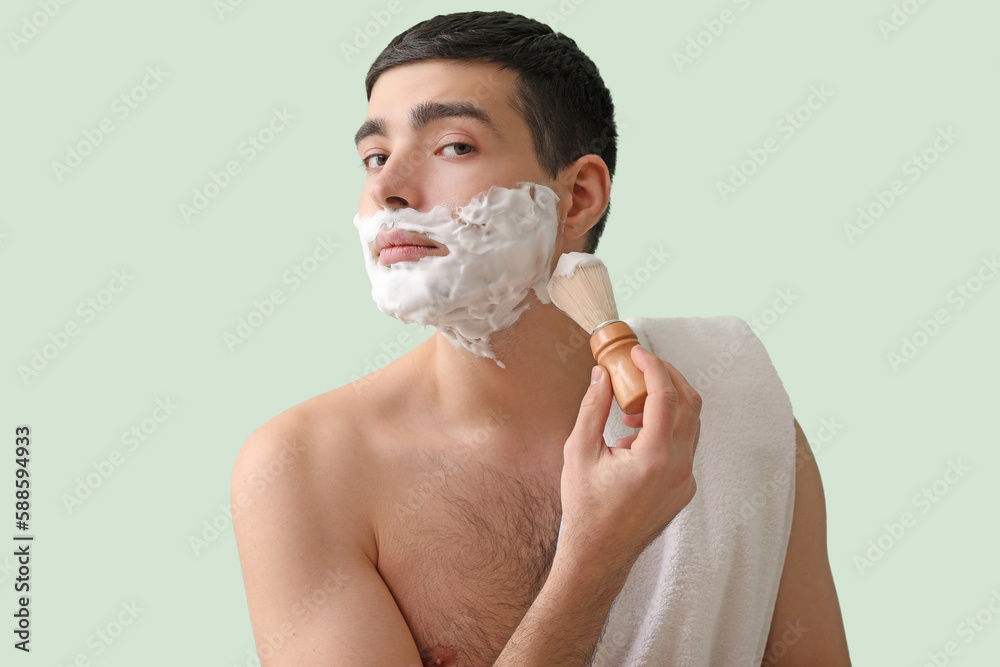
(588, 432)
(626, 442)
(632, 421)
(689, 412)
(662, 398)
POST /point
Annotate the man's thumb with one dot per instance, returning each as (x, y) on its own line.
(588, 433)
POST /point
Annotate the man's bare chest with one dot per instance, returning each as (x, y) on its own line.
(464, 549)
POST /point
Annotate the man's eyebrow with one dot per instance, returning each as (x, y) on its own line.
(425, 113)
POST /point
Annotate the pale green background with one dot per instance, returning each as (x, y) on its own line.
(681, 133)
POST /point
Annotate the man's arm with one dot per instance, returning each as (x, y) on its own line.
(307, 554)
(807, 629)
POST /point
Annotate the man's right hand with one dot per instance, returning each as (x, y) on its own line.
(616, 500)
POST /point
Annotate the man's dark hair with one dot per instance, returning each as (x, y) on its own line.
(558, 90)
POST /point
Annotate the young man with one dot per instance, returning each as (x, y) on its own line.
(416, 513)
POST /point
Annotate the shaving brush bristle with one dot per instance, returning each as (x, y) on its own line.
(581, 288)
(585, 294)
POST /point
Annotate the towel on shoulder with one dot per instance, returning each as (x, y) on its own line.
(703, 592)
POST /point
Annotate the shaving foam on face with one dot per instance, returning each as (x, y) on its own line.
(568, 262)
(500, 247)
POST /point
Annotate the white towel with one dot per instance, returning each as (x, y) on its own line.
(703, 592)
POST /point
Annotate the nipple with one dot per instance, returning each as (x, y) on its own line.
(439, 656)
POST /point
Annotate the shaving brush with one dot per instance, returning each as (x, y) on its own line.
(581, 288)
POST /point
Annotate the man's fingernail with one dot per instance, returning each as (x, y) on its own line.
(595, 374)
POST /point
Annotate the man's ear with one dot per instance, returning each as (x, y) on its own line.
(587, 183)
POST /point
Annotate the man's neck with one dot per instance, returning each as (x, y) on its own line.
(537, 395)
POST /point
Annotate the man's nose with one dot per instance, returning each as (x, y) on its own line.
(397, 182)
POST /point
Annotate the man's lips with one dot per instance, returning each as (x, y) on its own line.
(403, 253)
(395, 245)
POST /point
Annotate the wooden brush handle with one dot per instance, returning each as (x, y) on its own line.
(612, 348)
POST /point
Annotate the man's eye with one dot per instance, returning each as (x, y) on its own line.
(366, 161)
(460, 148)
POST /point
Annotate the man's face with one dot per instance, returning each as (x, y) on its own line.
(458, 221)
(441, 132)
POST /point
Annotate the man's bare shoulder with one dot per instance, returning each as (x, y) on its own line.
(305, 436)
(303, 461)
(302, 517)
(327, 443)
